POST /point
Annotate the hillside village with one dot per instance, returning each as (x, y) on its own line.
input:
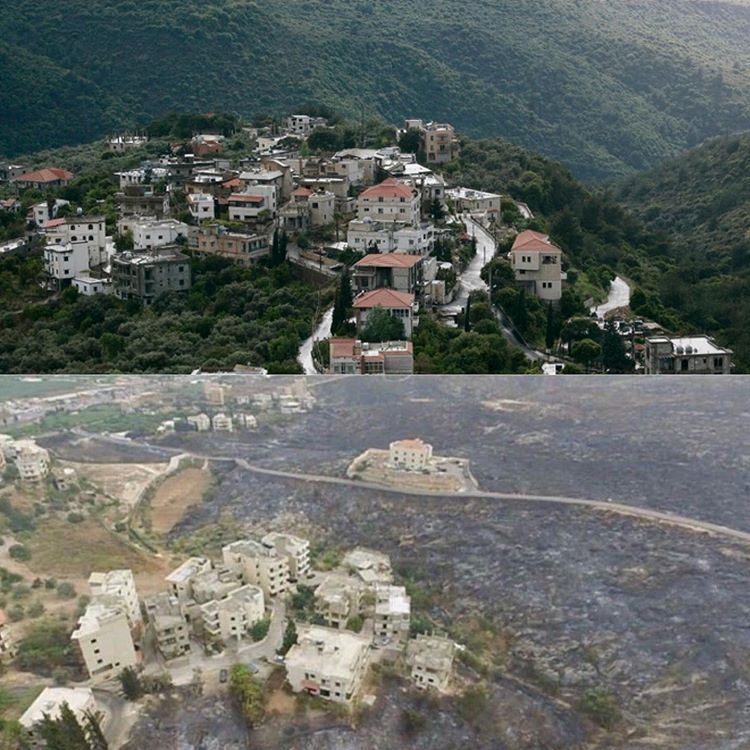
(384, 230)
(263, 607)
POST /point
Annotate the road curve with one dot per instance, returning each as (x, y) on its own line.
(632, 511)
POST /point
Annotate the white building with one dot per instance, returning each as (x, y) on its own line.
(258, 565)
(369, 236)
(474, 201)
(40, 213)
(120, 585)
(32, 461)
(63, 263)
(151, 233)
(7, 641)
(294, 548)
(258, 201)
(392, 613)
(686, 355)
(89, 286)
(430, 659)
(391, 201)
(413, 455)
(222, 423)
(89, 232)
(230, 618)
(120, 143)
(103, 636)
(201, 206)
(327, 663)
(49, 703)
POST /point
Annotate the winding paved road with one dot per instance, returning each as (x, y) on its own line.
(619, 296)
(606, 506)
(323, 331)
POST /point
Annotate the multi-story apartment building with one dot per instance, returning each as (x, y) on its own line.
(259, 565)
(686, 355)
(169, 625)
(338, 597)
(120, 585)
(403, 273)
(537, 263)
(144, 276)
(440, 142)
(370, 236)
(202, 422)
(294, 548)
(414, 455)
(430, 660)
(32, 461)
(354, 357)
(63, 263)
(257, 203)
(230, 618)
(151, 233)
(104, 639)
(222, 423)
(391, 201)
(475, 201)
(89, 232)
(400, 305)
(242, 247)
(142, 200)
(202, 206)
(392, 613)
(327, 663)
(180, 580)
(215, 584)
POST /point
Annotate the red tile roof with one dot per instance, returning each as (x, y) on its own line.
(387, 298)
(234, 183)
(536, 241)
(240, 198)
(302, 192)
(389, 260)
(390, 188)
(51, 174)
(342, 347)
(54, 223)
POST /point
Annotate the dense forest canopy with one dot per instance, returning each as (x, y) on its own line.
(701, 201)
(607, 88)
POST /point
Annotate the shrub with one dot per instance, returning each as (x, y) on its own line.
(66, 590)
(20, 552)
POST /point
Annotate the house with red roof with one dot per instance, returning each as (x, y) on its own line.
(401, 305)
(354, 357)
(391, 201)
(397, 271)
(537, 263)
(45, 178)
(257, 201)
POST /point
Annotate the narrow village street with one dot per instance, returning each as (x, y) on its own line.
(322, 332)
(619, 296)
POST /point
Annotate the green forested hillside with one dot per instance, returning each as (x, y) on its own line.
(605, 87)
(701, 200)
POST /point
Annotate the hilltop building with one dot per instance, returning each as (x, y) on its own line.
(144, 276)
(686, 355)
(169, 625)
(295, 549)
(120, 585)
(258, 565)
(230, 619)
(327, 663)
(430, 659)
(414, 455)
(49, 703)
(537, 263)
(354, 357)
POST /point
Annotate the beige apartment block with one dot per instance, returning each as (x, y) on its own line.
(215, 584)
(392, 613)
(339, 597)
(104, 639)
(230, 619)
(294, 548)
(414, 455)
(202, 422)
(327, 663)
(430, 660)
(222, 423)
(120, 585)
(258, 565)
(171, 630)
(32, 461)
(180, 580)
